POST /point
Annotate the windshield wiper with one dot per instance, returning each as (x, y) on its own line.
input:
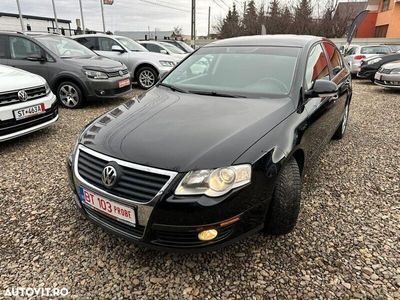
(216, 94)
(174, 88)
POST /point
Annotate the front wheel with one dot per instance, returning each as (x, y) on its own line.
(147, 77)
(285, 204)
(70, 95)
(339, 134)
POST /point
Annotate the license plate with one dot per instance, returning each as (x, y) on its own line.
(29, 112)
(116, 210)
(124, 82)
(378, 76)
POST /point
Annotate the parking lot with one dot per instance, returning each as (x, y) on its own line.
(346, 243)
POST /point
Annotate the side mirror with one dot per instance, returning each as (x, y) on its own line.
(163, 51)
(322, 88)
(36, 57)
(117, 48)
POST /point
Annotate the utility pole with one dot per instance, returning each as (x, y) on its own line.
(55, 16)
(83, 22)
(102, 16)
(244, 8)
(20, 16)
(193, 29)
(209, 21)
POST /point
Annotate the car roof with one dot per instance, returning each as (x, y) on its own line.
(286, 40)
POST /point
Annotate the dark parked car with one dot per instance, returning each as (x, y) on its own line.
(204, 159)
(181, 45)
(73, 72)
(369, 67)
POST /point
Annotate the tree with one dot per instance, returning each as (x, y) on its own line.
(303, 18)
(261, 17)
(230, 26)
(273, 19)
(286, 18)
(249, 23)
(178, 30)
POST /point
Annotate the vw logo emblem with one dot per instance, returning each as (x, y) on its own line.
(109, 176)
(22, 95)
(121, 73)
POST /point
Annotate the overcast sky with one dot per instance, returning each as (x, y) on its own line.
(127, 14)
(135, 14)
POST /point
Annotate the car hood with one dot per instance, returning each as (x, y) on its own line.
(175, 131)
(14, 79)
(98, 63)
(153, 56)
(392, 65)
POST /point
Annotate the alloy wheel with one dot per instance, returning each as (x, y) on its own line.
(147, 78)
(69, 96)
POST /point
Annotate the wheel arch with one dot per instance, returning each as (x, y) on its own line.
(142, 65)
(56, 82)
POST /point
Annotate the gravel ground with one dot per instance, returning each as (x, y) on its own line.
(346, 244)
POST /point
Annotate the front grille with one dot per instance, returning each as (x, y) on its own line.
(137, 231)
(12, 97)
(133, 184)
(12, 126)
(188, 238)
(116, 73)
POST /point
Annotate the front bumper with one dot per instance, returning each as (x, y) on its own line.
(388, 80)
(367, 73)
(11, 128)
(107, 88)
(169, 222)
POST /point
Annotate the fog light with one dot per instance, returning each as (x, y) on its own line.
(208, 235)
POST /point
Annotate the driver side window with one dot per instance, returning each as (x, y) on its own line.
(317, 66)
(105, 44)
(21, 48)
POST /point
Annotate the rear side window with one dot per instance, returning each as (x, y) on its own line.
(21, 48)
(317, 66)
(334, 57)
(153, 48)
(375, 50)
(105, 44)
(3, 46)
(89, 42)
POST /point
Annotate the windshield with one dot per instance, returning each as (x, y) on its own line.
(131, 44)
(172, 48)
(238, 71)
(64, 47)
(375, 50)
(186, 47)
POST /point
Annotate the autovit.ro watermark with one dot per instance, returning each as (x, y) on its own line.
(35, 292)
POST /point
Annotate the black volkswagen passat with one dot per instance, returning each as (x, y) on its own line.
(217, 149)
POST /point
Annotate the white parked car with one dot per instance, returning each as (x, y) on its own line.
(145, 67)
(164, 48)
(26, 103)
(355, 54)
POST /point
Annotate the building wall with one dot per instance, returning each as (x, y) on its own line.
(367, 27)
(13, 24)
(390, 17)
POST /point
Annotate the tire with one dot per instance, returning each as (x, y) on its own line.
(70, 95)
(284, 209)
(340, 132)
(147, 77)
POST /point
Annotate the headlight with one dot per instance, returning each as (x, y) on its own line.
(374, 61)
(395, 71)
(96, 74)
(47, 88)
(214, 183)
(167, 63)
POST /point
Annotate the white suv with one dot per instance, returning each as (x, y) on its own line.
(26, 103)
